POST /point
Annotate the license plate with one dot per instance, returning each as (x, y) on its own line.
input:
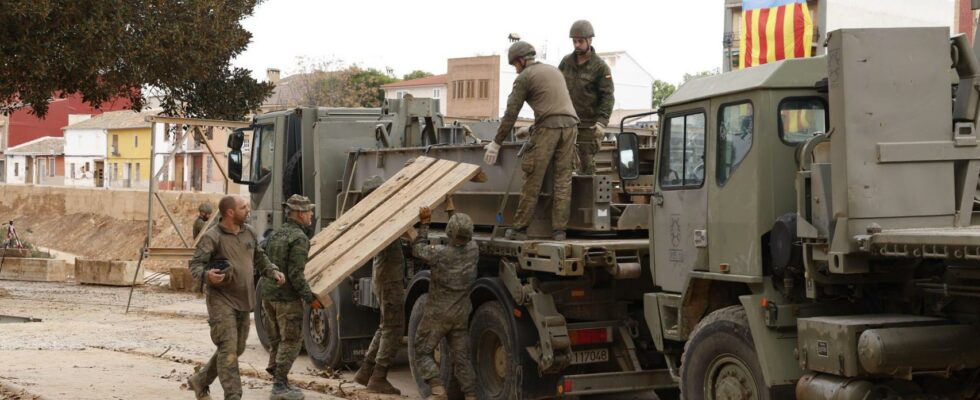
(590, 356)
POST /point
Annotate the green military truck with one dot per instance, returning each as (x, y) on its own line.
(804, 227)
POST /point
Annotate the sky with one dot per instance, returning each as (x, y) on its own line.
(667, 38)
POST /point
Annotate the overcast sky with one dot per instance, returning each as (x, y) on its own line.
(668, 38)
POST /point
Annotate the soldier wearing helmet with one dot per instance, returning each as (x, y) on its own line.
(203, 214)
(552, 142)
(590, 86)
(446, 315)
(387, 274)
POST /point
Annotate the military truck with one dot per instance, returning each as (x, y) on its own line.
(804, 227)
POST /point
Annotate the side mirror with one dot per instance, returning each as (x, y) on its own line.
(627, 154)
(235, 141)
(235, 165)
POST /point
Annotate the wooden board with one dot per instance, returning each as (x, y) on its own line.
(381, 218)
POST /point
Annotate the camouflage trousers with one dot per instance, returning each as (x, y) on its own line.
(548, 147)
(431, 331)
(284, 323)
(229, 330)
(587, 145)
(388, 338)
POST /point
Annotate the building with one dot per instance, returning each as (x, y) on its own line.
(127, 161)
(192, 167)
(87, 146)
(25, 127)
(4, 123)
(40, 161)
(433, 87)
(830, 15)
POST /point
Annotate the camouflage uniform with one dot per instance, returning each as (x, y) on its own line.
(453, 269)
(552, 141)
(283, 305)
(199, 225)
(387, 280)
(229, 302)
(590, 86)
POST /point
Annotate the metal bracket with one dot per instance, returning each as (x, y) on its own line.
(554, 350)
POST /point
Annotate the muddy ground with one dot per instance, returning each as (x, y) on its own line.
(87, 347)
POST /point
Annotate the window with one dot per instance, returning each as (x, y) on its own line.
(683, 146)
(264, 152)
(136, 141)
(138, 171)
(734, 138)
(399, 94)
(16, 169)
(209, 168)
(458, 89)
(470, 85)
(800, 118)
(115, 144)
(436, 93)
(51, 166)
(72, 166)
(484, 88)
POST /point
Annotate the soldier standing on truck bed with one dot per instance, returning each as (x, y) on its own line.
(446, 315)
(225, 257)
(552, 140)
(590, 86)
(387, 278)
(282, 306)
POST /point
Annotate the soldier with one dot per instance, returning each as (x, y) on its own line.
(386, 277)
(453, 273)
(590, 86)
(203, 214)
(552, 141)
(282, 306)
(224, 258)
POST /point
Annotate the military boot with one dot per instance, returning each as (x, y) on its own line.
(364, 373)
(438, 392)
(201, 391)
(282, 391)
(558, 235)
(379, 382)
(515, 233)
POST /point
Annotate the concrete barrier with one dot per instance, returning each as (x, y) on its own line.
(104, 272)
(35, 269)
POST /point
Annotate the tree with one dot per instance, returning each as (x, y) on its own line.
(661, 91)
(179, 49)
(700, 74)
(416, 75)
(355, 87)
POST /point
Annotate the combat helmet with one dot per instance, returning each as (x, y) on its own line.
(460, 227)
(205, 208)
(581, 29)
(299, 203)
(519, 50)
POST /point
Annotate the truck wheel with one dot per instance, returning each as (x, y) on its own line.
(321, 335)
(496, 359)
(720, 361)
(441, 355)
(259, 316)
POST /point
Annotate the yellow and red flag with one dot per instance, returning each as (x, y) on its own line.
(773, 30)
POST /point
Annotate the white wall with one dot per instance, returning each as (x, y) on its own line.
(421, 91)
(16, 164)
(82, 178)
(85, 142)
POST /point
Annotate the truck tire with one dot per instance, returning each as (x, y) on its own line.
(259, 316)
(720, 361)
(496, 359)
(321, 334)
(445, 363)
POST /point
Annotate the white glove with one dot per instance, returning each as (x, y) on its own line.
(491, 155)
(522, 133)
(599, 130)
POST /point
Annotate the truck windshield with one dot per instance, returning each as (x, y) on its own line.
(800, 118)
(263, 151)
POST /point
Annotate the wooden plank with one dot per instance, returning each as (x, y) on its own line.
(368, 223)
(386, 230)
(364, 207)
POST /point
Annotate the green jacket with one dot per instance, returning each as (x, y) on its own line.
(288, 248)
(543, 88)
(590, 86)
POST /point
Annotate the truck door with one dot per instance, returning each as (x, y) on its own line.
(680, 199)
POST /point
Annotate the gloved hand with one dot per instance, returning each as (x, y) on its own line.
(599, 129)
(490, 157)
(522, 133)
(425, 215)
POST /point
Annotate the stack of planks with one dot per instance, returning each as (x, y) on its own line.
(379, 219)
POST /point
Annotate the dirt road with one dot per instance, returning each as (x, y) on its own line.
(87, 347)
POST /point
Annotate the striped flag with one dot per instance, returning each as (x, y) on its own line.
(773, 30)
